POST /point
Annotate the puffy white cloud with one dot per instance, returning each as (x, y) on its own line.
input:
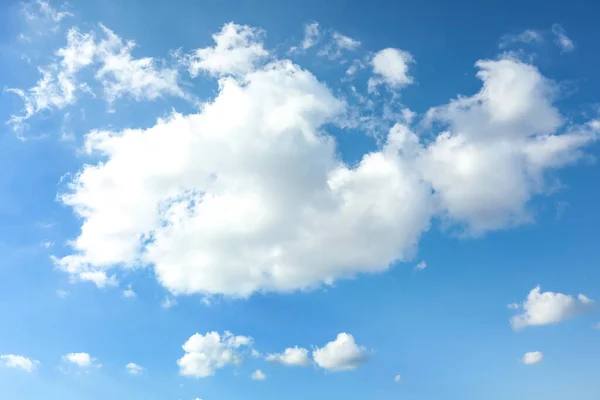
(256, 154)
(129, 292)
(342, 354)
(561, 39)
(499, 146)
(397, 378)
(421, 266)
(543, 308)
(527, 36)
(532, 357)
(237, 51)
(18, 362)
(249, 195)
(134, 369)
(390, 67)
(81, 360)
(204, 354)
(292, 356)
(258, 375)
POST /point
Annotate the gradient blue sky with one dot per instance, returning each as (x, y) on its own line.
(445, 329)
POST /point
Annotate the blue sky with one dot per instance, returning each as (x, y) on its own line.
(265, 200)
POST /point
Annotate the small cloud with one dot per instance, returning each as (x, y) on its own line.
(62, 293)
(41, 11)
(513, 306)
(99, 278)
(129, 293)
(18, 362)
(311, 35)
(342, 354)
(168, 302)
(561, 39)
(258, 375)
(596, 325)
(397, 378)
(390, 67)
(544, 308)
(338, 44)
(293, 356)
(81, 360)
(420, 266)
(527, 36)
(532, 358)
(205, 354)
(134, 369)
(255, 353)
(48, 244)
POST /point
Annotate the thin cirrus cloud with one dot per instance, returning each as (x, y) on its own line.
(118, 73)
(545, 308)
(196, 177)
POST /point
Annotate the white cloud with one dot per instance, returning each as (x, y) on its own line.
(118, 72)
(532, 357)
(81, 360)
(300, 223)
(421, 266)
(48, 244)
(237, 51)
(342, 354)
(549, 308)
(397, 378)
(292, 356)
(527, 36)
(122, 75)
(258, 375)
(98, 278)
(134, 369)
(168, 302)
(41, 15)
(513, 306)
(18, 362)
(249, 195)
(500, 145)
(204, 354)
(390, 67)
(561, 39)
(338, 44)
(129, 292)
(311, 35)
(62, 293)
